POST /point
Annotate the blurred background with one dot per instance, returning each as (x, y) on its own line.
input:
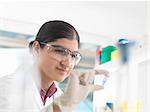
(101, 24)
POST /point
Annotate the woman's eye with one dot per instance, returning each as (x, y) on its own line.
(60, 51)
(73, 56)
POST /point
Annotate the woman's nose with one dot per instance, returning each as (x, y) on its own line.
(67, 62)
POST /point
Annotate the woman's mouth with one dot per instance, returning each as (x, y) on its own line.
(62, 71)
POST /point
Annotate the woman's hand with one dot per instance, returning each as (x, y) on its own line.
(78, 88)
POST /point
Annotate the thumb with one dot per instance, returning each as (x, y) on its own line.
(104, 72)
(95, 87)
(73, 82)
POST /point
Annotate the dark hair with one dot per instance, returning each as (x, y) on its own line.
(53, 30)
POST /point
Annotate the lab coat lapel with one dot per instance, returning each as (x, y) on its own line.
(35, 79)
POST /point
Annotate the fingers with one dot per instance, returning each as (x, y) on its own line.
(95, 72)
(102, 72)
(73, 81)
(86, 78)
(83, 79)
(93, 87)
(90, 78)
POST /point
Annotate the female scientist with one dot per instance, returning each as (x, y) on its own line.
(33, 88)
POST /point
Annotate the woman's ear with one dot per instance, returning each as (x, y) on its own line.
(36, 46)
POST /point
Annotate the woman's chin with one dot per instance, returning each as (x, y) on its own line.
(61, 79)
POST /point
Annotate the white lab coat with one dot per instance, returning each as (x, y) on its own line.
(19, 92)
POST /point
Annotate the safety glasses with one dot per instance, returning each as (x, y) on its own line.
(62, 52)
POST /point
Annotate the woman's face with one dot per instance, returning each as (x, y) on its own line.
(52, 65)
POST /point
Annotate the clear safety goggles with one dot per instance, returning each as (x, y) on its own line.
(62, 52)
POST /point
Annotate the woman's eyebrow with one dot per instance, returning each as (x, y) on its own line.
(62, 47)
